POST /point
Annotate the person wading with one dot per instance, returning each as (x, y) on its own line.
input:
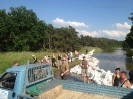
(84, 68)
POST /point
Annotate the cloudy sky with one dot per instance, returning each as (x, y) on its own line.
(96, 18)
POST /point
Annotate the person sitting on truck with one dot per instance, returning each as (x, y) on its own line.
(64, 68)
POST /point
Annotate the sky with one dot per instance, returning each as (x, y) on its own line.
(96, 18)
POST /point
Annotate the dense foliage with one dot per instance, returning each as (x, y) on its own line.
(103, 43)
(22, 30)
(128, 43)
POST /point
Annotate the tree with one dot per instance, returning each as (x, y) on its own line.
(22, 28)
(129, 36)
(50, 34)
(5, 26)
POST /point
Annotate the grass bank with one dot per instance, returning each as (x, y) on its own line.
(83, 50)
(7, 58)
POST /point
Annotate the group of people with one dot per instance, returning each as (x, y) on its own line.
(64, 68)
(55, 61)
(62, 65)
(120, 79)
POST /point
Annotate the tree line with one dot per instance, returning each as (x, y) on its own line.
(128, 42)
(22, 30)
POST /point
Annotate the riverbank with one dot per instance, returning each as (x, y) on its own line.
(108, 62)
(7, 58)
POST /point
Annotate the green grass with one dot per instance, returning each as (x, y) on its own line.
(7, 58)
(83, 50)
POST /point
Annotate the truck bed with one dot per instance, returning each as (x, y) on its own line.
(61, 89)
(68, 94)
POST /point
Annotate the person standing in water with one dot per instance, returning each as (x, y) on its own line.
(116, 77)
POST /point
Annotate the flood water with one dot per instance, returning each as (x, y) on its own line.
(109, 61)
(115, 59)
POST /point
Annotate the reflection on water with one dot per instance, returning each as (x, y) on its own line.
(115, 59)
(109, 61)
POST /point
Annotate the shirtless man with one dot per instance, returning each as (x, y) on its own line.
(123, 80)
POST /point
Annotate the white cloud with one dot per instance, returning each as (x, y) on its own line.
(122, 26)
(113, 33)
(119, 32)
(85, 33)
(66, 23)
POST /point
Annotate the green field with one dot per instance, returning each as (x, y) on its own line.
(7, 59)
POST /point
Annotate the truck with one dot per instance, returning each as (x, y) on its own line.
(36, 81)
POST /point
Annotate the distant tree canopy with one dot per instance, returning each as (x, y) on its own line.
(128, 43)
(22, 30)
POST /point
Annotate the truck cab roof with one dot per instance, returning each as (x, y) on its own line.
(22, 67)
(32, 73)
